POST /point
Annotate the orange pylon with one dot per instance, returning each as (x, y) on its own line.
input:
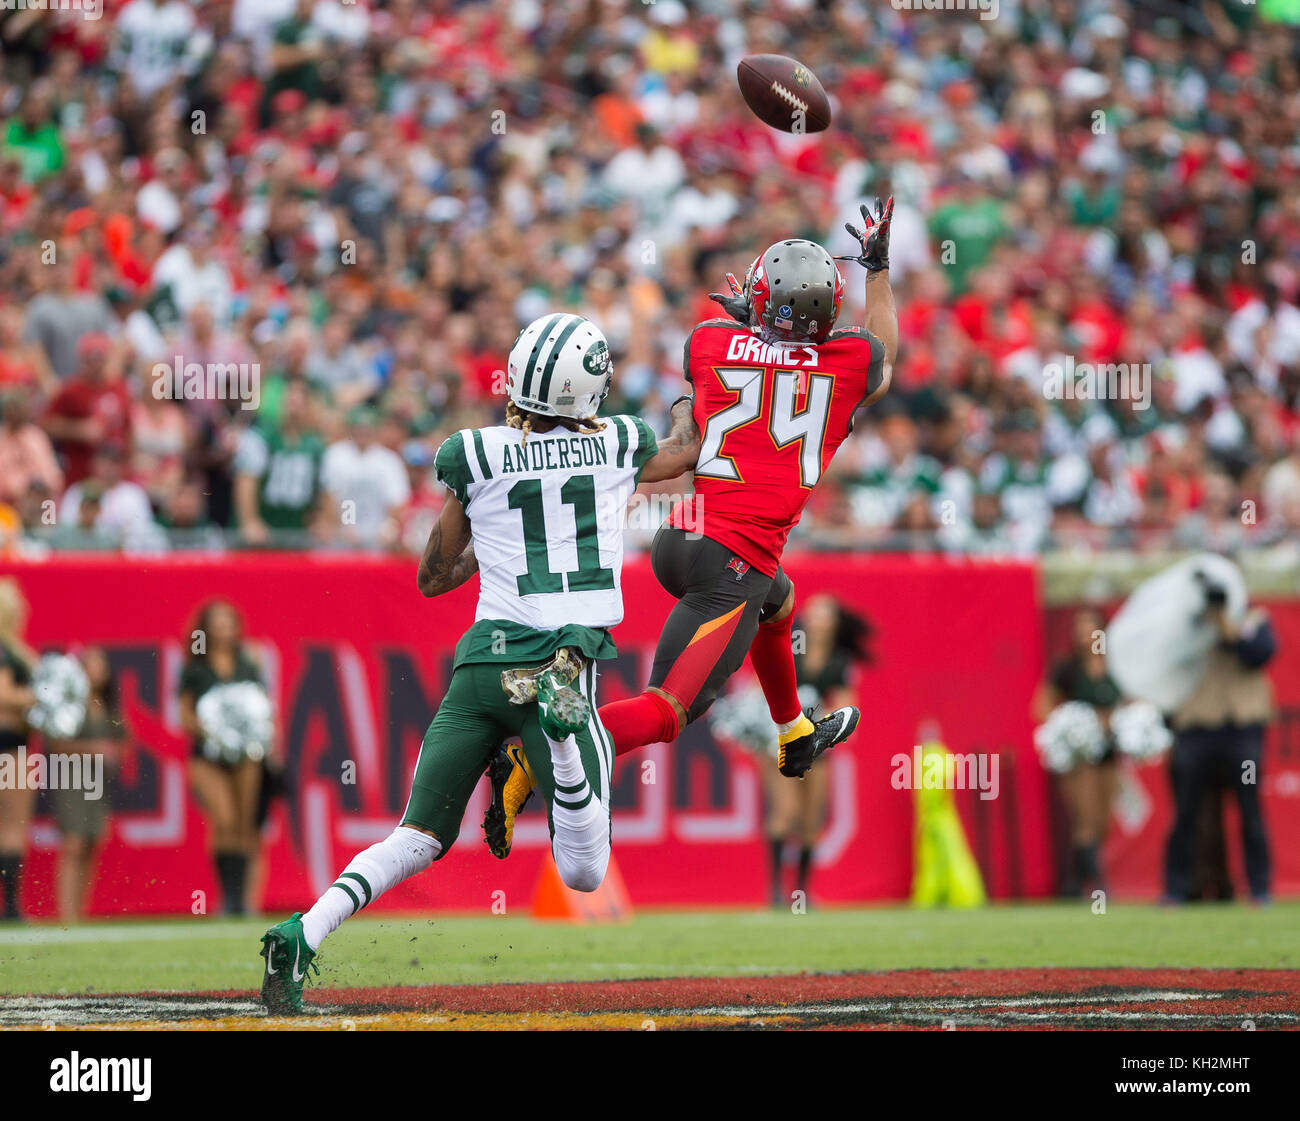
(608, 903)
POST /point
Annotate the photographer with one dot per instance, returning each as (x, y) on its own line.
(1219, 739)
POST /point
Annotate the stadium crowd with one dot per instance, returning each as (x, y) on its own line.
(362, 202)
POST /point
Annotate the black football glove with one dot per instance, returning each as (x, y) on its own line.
(735, 305)
(874, 236)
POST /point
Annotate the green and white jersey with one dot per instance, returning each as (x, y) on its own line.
(288, 474)
(547, 518)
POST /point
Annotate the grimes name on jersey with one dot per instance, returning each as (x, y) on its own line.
(750, 348)
(554, 455)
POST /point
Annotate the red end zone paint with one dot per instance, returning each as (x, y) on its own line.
(1010, 999)
(693, 991)
(1197, 991)
(1019, 999)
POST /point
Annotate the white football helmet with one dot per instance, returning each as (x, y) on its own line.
(560, 366)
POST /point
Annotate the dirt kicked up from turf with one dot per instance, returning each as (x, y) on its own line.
(1010, 999)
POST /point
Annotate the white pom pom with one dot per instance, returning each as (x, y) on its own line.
(61, 689)
(236, 720)
(742, 717)
(1071, 734)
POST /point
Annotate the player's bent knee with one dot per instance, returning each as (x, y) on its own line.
(420, 851)
(580, 872)
(783, 612)
(583, 879)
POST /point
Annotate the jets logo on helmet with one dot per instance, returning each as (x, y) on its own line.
(560, 366)
(597, 359)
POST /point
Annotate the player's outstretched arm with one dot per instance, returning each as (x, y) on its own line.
(449, 558)
(882, 314)
(882, 321)
(679, 450)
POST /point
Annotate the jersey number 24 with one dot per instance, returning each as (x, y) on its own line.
(785, 423)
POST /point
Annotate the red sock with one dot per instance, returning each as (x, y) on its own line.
(773, 660)
(638, 721)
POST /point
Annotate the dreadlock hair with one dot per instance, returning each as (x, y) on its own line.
(523, 420)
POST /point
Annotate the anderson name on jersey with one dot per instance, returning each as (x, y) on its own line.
(546, 517)
(771, 417)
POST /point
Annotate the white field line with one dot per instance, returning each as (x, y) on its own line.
(889, 1004)
(142, 932)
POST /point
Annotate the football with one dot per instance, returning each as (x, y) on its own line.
(783, 93)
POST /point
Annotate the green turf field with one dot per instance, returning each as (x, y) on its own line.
(204, 954)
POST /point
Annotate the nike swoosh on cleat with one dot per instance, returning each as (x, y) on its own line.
(298, 957)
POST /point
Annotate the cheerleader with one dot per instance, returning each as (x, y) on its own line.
(1088, 788)
(16, 697)
(227, 789)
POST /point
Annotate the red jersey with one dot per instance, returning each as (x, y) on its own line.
(770, 418)
(106, 401)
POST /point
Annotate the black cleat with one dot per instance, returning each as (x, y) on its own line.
(794, 758)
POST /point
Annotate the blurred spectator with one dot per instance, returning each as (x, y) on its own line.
(966, 227)
(341, 367)
(648, 173)
(156, 42)
(184, 512)
(278, 483)
(60, 317)
(123, 513)
(410, 525)
(23, 363)
(32, 135)
(1281, 488)
(26, 454)
(91, 411)
(188, 275)
(160, 443)
(366, 480)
